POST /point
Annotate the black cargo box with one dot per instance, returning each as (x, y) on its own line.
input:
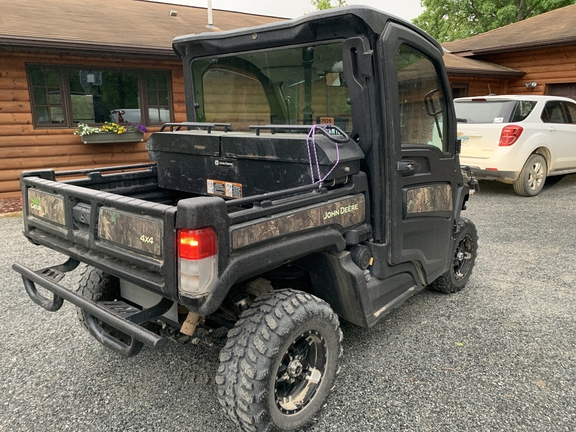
(238, 164)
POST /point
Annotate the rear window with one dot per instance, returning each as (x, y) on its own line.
(485, 111)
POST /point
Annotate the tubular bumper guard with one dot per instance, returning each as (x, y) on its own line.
(48, 278)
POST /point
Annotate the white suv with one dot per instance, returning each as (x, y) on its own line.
(517, 139)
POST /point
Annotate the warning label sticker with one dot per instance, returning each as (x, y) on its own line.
(224, 188)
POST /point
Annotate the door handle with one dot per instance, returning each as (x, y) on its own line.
(407, 166)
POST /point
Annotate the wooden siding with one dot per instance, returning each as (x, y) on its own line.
(481, 86)
(544, 66)
(23, 147)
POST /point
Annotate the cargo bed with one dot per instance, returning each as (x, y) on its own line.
(119, 220)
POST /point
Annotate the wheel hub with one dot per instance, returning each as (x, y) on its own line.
(294, 368)
(300, 372)
(536, 176)
(463, 257)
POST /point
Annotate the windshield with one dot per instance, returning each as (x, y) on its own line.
(485, 111)
(293, 86)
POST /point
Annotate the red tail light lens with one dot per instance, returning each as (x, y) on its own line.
(197, 244)
(510, 135)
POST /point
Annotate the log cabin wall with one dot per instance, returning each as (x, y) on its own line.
(477, 86)
(546, 67)
(24, 147)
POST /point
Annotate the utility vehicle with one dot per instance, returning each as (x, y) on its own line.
(316, 179)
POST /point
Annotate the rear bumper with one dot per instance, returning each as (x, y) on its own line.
(32, 278)
(504, 176)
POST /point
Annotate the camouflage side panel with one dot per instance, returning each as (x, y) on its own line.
(429, 199)
(136, 232)
(46, 206)
(344, 212)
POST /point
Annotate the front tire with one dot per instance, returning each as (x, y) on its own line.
(532, 177)
(463, 258)
(280, 362)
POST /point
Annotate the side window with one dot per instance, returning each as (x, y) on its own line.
(63, 96)
(421, 97)
(571, 108)
(158, 87)
(522, 109)
(99, 96)
(46, 95)
(459, 90)
(554, 113)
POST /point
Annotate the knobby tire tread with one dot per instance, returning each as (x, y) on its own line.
(246, 359)
(94, 284)
(445, 283)
(97, 285)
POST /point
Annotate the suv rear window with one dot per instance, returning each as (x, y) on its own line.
(486, 111)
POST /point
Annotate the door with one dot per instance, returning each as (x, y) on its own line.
(560, 119)
(423, 168)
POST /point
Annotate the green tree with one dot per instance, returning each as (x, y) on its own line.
(327, 4)
(448, 20)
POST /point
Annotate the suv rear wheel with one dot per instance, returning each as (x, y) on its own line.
(532, 177)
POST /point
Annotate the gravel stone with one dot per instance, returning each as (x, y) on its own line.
(497, 356)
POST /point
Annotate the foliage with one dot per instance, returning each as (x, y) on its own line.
(137, 127)
(84, 129)
(327, 4)
(109, 127)
(115, 128)
(459, 19)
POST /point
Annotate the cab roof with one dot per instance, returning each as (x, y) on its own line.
(317, 26)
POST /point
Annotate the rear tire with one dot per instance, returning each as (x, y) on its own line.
(280, 362)
(463, 258)
(97, 286)
(532, 177)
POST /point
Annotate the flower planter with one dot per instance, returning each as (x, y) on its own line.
(110, 138)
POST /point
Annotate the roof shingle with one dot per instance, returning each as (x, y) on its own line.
(111, 24)
(554, 28)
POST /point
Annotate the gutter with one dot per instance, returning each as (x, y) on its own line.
(18, 43)
(470, 52)
(484, 73)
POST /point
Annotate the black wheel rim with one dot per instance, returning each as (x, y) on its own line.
(300, 372)
(463, 257)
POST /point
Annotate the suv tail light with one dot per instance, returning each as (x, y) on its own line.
(197, 260)
(510, 135)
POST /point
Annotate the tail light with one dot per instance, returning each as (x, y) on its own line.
(510, 135)
(197, 260)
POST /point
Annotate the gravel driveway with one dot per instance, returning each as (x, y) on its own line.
(498, 356)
